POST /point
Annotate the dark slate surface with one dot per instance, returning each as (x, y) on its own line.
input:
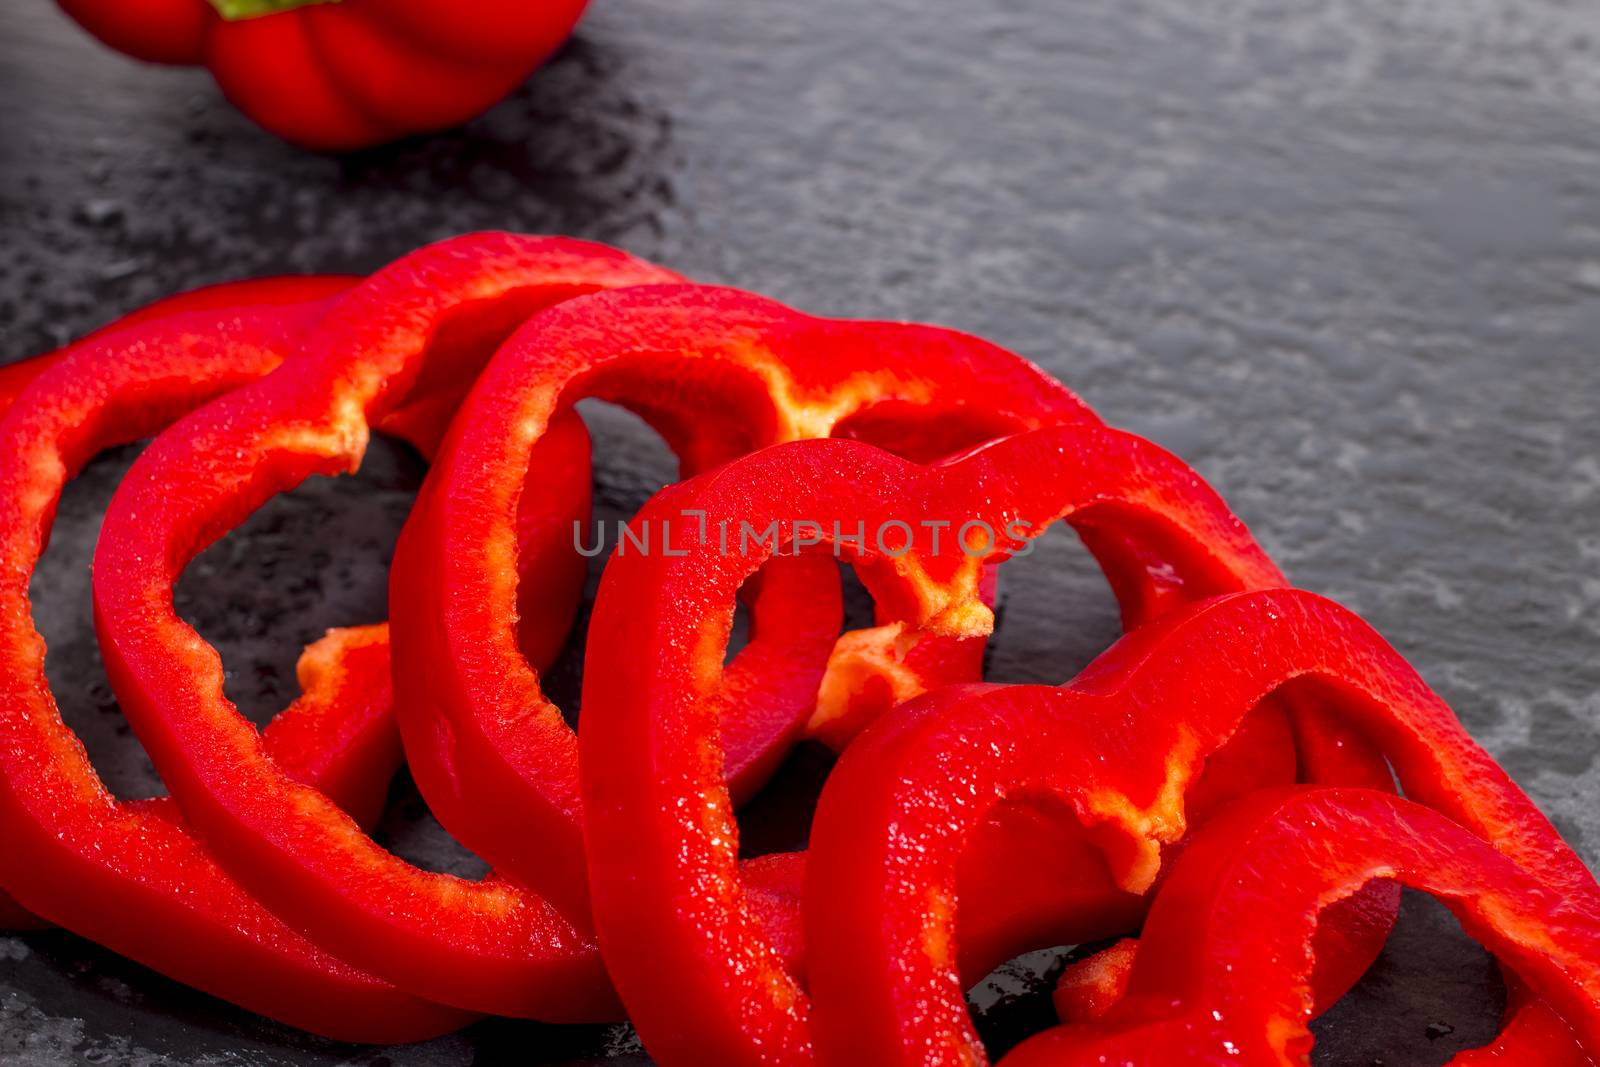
(1341, 255)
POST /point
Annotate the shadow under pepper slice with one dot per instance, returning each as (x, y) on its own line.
(1223, 970)
(662, 842)
(1118, 746)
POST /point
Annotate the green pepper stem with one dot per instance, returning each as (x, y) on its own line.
(234, 10)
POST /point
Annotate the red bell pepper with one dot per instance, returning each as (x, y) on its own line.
(15, 377)
(337, 76)
(717, 372)
(1117, 748)
(1224, 965)
(659, 828)
(130, 875)
(480, 945)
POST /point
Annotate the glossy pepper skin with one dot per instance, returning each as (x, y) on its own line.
(661, 839)
(479, 945)
(1225, 959)
(717, 373)
(335, 76)
(131, 875)
(1117, 747)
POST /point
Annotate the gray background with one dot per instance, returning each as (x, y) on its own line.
(1342, 255)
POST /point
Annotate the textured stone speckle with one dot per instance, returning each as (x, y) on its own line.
(1342, 255)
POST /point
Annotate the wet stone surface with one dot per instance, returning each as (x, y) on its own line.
(1343, 256)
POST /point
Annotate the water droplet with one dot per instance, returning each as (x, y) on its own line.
(99, 211)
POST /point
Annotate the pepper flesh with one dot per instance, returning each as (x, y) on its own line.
(1225, 960)
(662, 843)
(339, 76)
(1117, 746)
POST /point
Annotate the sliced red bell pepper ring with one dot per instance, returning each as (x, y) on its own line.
(480, 945)
(1025, 884)
(130, 875)
(15, 377)
(662, 841)
(1224, 964)
(718, 373)
(1117, 746)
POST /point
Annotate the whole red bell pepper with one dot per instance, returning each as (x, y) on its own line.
(662, 842)
(1117, 748)
(341, 75)
(130, 875)
(1224, 963)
